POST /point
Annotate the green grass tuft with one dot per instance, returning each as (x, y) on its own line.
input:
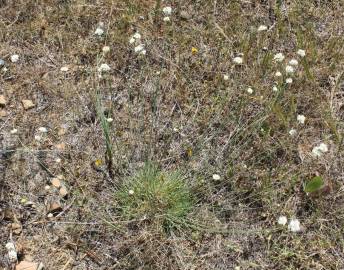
(158, 196)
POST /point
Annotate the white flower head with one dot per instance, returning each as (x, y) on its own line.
(278, 74)
(226, 77)
(166, 19)
(301, 118)
(64, 69)
(249, 90)
(43, 129)
(106, 49)
(282, 220)
(294, 225)
(167, 11)
(216, 177)
(109, 120)
(38, 138)
(10, 246)
(99, 31)
(238, 60)
(262, 28)
(279, 57)
(104, 68)
(275, 88)
(14, 58)
(301, 52)
(320, 149)
(14, 131)
(139, 48)
(131, 192)
(132, 40)
(137, 35)
(12, 255)
(289, 69)
(289, 81)
(58, 160)
(292, 132)
(293, 62)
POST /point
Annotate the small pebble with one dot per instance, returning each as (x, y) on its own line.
(63, 191)
(28, 104)
(56, 182)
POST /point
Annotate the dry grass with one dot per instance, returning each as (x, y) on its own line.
(173, 107)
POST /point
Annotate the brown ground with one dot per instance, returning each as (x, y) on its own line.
(186, 117)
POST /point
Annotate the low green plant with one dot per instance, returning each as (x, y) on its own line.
(158, 196)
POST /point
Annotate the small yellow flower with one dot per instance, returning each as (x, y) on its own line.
(194, 50)
(189, 152)
(98, 162)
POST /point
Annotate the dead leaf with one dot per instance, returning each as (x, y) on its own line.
(3, 100)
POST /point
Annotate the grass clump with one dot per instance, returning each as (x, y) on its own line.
(158, 196)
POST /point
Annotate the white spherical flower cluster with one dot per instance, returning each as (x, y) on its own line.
(238, 60)
(99, 31)
(167, 11)
(106, 49)
(43, 129)
(279, 57)
(289, 81)
(282, 220)
(135, 38)
(14, 58)
(292, 132)
(319, 150)
(278, 74)
(14, 131)
(104, 68)
(12, 253)
(294, 225)
(301, 118)
(249, 90)
(140, 47)
(262, 28)
(216, 177)
(289, 69)
(301, 53)
(293, 62)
